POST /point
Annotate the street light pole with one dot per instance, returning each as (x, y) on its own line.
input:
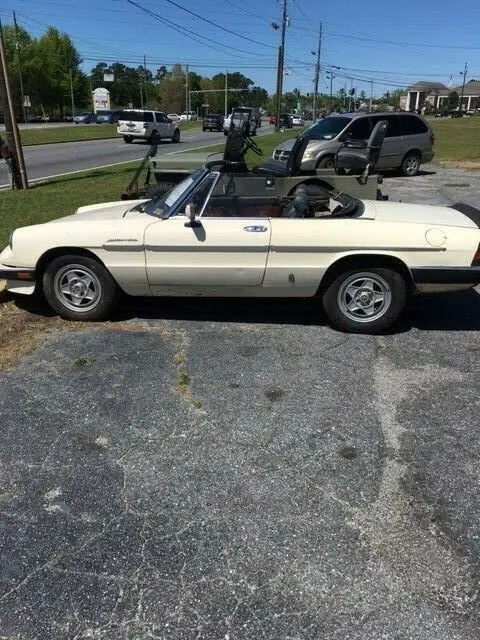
(317, 73)
(281, 60)
(464, 73)
(226, 93)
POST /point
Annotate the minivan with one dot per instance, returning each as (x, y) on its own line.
(408, 142)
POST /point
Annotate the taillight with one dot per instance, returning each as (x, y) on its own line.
(432, 138)
(476, 258)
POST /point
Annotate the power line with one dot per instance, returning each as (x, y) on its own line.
(238, 35)
(180, 29)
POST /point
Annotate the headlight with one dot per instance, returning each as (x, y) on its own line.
(309, 154)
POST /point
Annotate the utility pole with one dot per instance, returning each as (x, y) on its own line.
(226, 93)
(19, 176)
(464, 73)
(145, 78)
(371, 96)
(281, 61)
(19, 63)
(317, 73)
(187, 89)
(71, 94)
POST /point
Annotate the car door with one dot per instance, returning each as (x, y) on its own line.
(393, 147)
(224, 250)
(163, 125)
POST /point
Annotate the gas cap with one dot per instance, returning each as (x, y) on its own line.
(436, 237)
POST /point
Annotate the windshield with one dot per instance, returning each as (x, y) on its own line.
(326, 129)
(163, 206)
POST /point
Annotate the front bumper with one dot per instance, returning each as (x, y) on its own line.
(14, 273)
(445, 278)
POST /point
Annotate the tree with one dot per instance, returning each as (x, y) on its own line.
(171, 92)
(453, 101)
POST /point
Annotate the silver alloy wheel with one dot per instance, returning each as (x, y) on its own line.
(77, 288)
(364, 297)
(411, 165)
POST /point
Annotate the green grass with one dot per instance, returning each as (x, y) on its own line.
(457, 141)
(80, 132)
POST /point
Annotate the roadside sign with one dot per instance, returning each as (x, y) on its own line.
(26, 101)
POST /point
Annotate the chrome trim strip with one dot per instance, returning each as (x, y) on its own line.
(318, 249)
(206, 249)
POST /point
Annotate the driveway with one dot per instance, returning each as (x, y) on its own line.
(238, 470)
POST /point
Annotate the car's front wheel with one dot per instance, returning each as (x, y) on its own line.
(326, 163)
(410, 165)
(365, 300)
(79, 288)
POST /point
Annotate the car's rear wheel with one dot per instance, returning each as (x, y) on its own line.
(128, 139)
(155, 138)
(326, 163)
(176, 136)
(410, 165)
(79, 288)
(365, 300)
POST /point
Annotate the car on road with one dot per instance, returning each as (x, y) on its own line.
(174, 117)
(213, 122)
(298, 121)
(85, 118)
(144, 124)
(286, 120)
(210, 237)
(107, 117)
(190, 115)
(407, 145)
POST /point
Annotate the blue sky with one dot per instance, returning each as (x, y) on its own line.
(391, 43)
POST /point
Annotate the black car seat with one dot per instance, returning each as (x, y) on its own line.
(359, 158)
(291, 168)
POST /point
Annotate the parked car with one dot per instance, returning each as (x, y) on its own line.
(207, 237)
(85, 118)
(144, 124)
(407, 145)
(190, 115)
(272, 119)
(174, 117)
(251, 114)
(108, 117)
(441, 114)
(213, 122)
(298, 121)
(470, 112)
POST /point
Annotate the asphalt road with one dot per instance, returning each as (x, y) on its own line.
(237, 470)
(44, 161)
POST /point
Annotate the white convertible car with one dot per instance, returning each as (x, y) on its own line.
(208, 238)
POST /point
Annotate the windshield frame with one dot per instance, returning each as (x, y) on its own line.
(158, 207)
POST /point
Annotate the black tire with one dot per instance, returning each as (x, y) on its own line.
(73, 273)
(176, 136)
(410, 165)
(203, 129)
(155, 138)
(326, 163)
(365, 283)
(128, 139)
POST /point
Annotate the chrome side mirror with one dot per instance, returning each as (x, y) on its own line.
(190, 213)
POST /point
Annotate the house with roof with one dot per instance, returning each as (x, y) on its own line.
(436, 95)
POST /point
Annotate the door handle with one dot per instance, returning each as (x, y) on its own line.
(255, 229)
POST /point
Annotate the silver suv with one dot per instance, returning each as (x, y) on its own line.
(146, 125)
(408, 142)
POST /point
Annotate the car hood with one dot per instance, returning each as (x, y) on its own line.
(103, 211)
(287, 144)
(421, 213)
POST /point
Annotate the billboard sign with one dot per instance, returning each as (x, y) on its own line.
(101, 99)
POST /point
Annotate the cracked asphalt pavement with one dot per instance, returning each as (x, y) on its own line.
(237, 470)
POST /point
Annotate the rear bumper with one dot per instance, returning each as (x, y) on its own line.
(445, 278)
